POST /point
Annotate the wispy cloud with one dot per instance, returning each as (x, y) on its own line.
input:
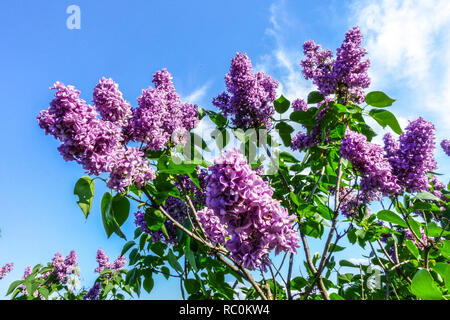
(283, 62)
(409, 47)
(197, 95)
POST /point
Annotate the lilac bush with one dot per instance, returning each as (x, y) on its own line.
(212, 224)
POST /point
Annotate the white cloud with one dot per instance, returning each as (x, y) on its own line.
(283, 63)
(409, 47)
(196, 96)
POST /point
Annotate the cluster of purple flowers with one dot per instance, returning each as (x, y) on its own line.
(161, 115)
(349, 202)
(250, 95)
(346, 75)
(413, 156)
(368, 159)
(445, 144)
(96, 137)
(97, 144)
(94, 292)
(242, 202)
(216, 232)
(7, 268)
(63, 267)
(299, 105)
(110, 104)
(103, 262)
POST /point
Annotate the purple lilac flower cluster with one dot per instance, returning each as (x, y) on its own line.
(7, 268)
(216, 232)
(250, 95)
(103, 262)
(110, 104)
(242, 201)
(96, 144)
(94, 292)
(346, 75)
(368, 159)
(413, 156)
(445, 144)
(299, 105)
(64, 267)
(161, 115)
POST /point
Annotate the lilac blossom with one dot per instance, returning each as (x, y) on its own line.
(94, 292)
(299, 105)
(7, 268)
(62, 268)
(367, 158)
(415, 155)
(103, 262)
(445, 144)
(110, 104)
(216, 232)
(346, 75)
(130, 167)
(161, 114)
(250, 95)
(243, 203)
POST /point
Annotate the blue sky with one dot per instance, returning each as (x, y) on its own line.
(408, 43)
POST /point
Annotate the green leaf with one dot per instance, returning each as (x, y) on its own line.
(378, 99)
(412, 247)
(284, 131)
(121, 208)
(386, 118)
(109, 222)
(218, 119)
(424, 287)
(307, 118)
(389, 216)
(85, 189)
(174, 262)
(281, 105)
(192, 286)
(346, 263)
(148, 283)
(127, 247)
(13, 286)
(155, 219)
(443, 269)
(335, 296)
(425, 195)
(315, 97)
(287, 157)
(298, 283)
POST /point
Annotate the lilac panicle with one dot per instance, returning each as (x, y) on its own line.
(346, 75)
(161, 114)
(299, 105)
(250, 95)
(243, 203)
(368, 159)
(7, 268)
(103, 262)
(110, 104)
(94, 292)
(415, 156)
(445, 144)
(97, 144)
